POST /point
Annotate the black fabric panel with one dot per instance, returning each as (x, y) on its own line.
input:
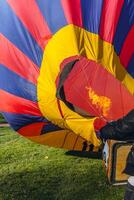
(122, 129)
(60, 89)
(130, 163)
(129, 194)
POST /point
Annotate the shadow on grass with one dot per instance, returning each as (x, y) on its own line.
(59, 182)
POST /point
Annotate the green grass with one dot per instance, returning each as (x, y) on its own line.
(2, 120)
(31, 171)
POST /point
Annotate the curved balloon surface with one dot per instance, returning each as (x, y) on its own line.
(40, 42)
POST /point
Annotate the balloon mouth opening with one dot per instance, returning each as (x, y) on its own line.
(72, 70)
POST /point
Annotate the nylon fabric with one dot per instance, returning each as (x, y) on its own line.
(35, 38)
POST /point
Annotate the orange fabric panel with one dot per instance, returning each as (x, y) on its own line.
(32, 129)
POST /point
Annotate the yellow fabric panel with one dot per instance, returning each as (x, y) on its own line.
(79, 144)
(70, 140)
(54, 139)
(80, 125)
(63, 139)
(103, 53)
(70, 41)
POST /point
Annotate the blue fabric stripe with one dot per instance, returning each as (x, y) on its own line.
(125, 23)
(50, 128)
(53, 14)
(130, 68)
(13, 29)
(17, 121)
(16, 85)
(91, 12)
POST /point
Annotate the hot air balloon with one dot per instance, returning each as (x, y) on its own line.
(66, 68)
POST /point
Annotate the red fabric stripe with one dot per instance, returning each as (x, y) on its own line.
(31, 17)
(128, 48)
(15, 60)
(110, 15)
(98, 124)
(18, 105)
(72, 11)
(32, 129)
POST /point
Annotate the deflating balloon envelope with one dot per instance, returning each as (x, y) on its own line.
(66, 68)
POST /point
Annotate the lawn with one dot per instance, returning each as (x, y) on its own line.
(30, 171)
(2, 120)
